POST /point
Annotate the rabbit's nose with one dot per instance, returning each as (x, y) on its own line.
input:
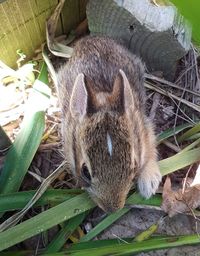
(109, 208)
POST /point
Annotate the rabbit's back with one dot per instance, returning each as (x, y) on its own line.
(100, 59)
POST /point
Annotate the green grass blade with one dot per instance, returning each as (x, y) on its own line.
(15, 218)
(63, 235)
(189, 133)
(109, 220)
(117, 249)
(81, 204)
(76, 246)
(171, 132)
(137, 199)
(97, 244)
(179, 161)
(54, 216)
(15, 201)
(193, 137)
(21, 153)
(17, 253)
(191, 146)
(43, 76)
(190, 10)
(45, 220)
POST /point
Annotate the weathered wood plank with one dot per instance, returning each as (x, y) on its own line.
(23, 27)
(24, 24)
(82, 9)
(70, 15)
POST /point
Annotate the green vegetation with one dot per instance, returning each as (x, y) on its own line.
(72, 207)
(68, 208)
(190, 10)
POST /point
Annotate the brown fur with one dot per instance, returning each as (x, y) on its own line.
(102, 93)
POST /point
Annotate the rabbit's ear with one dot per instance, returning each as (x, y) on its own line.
(121, 97)
(84, 99)
(79, 98)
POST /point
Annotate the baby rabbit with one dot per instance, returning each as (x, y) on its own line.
(108, 141)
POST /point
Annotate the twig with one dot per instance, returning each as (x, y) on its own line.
(120, 239)
(161, 91)
(139, 206)
(36, 176)
(49, 146)
(184, 72)
(189, 120)
(185, 179)
(165, 82)
(171, 146)
(13, 220)
(177, 110)
(156, 100)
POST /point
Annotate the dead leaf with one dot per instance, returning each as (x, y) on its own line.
(82, 28)
(179, 201)
(55, 47)
(10, 97)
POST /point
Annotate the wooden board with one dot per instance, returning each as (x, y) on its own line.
(23, 24)
(82, 9)
(70, 15)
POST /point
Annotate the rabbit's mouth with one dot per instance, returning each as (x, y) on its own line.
(110, 207)
(107, 205)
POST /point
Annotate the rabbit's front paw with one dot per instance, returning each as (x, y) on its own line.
(149, 180)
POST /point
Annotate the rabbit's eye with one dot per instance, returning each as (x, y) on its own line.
(85, 173)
